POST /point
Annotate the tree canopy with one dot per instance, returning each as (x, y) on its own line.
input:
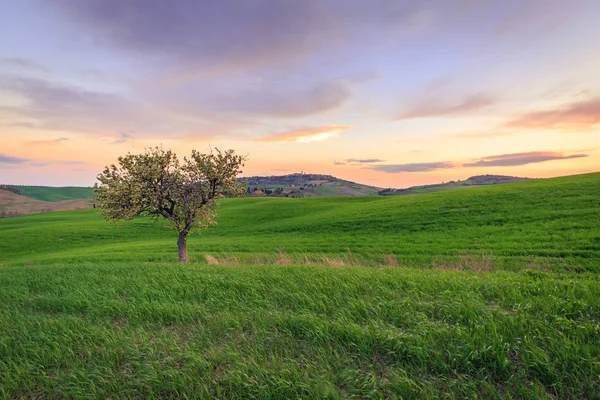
(158, 184)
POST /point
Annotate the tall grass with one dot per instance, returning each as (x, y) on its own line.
(94, 330)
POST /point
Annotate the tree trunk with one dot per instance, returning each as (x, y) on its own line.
(182, 246)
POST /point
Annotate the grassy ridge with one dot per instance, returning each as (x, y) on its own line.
(549, 223)
(477, 180)
(50, 193)
(94, 330)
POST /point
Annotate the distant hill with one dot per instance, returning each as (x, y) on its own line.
(50, 193)
(13, 204)
(305, 185)
(477, 180)
(291, 185)
(311, 185)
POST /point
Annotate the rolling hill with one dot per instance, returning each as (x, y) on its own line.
(311, 185)
(12, 204)
(305, 185)
(292, 185)
(492, 292)
(548, 222)
(478, 180)
(51, 193)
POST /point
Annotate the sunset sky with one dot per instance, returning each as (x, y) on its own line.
(390, 93)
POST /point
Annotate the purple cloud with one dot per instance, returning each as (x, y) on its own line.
(60, 107)
(123, 138)
(22, 64)
(8, 160)
(412, 167)
(515, 159)
(276, 98)
(363, 160)
(226, 34)
(12, 160)
(66, 107)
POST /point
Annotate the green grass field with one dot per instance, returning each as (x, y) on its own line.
(553, 224)
(491, 292)
(50, 193)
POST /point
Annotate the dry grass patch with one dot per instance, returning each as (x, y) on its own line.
(14, 205)
(334, 262)
(283, 259)
(468, 262)
(229, 260)
(211, 259)
(473, 262)
(390, 260)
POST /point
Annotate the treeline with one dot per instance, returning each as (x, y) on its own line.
(286, 180)
(277, 190)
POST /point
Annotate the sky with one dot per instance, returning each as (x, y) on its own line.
(390, 93)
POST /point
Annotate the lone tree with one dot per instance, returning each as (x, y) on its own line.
(159, 185)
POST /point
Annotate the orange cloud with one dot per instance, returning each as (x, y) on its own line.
(574, 116)
(430, 109)
(306, 135)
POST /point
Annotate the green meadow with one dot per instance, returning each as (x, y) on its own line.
(551, 224)
(488, 292)
(51, 193)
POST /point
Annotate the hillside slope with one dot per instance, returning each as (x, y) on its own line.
(12, 204)
(51, 193)
(549, 223)
(478, 180)
(305, 185)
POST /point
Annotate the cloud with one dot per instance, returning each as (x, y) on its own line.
(515, 159)
(200, 68)
(230, 65)
(71, 162)
(364, 160)
(496, 132)
(580, 115)
(123, 137)
(51, 142)
(471, 103)
(358, 161)
(11, 160)
(196, 110)
(22, 64)
(61, 107)
(306, 135)
(278, 97)
(229, 34)
(64, 107)
(236, 63)
(413, 167)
